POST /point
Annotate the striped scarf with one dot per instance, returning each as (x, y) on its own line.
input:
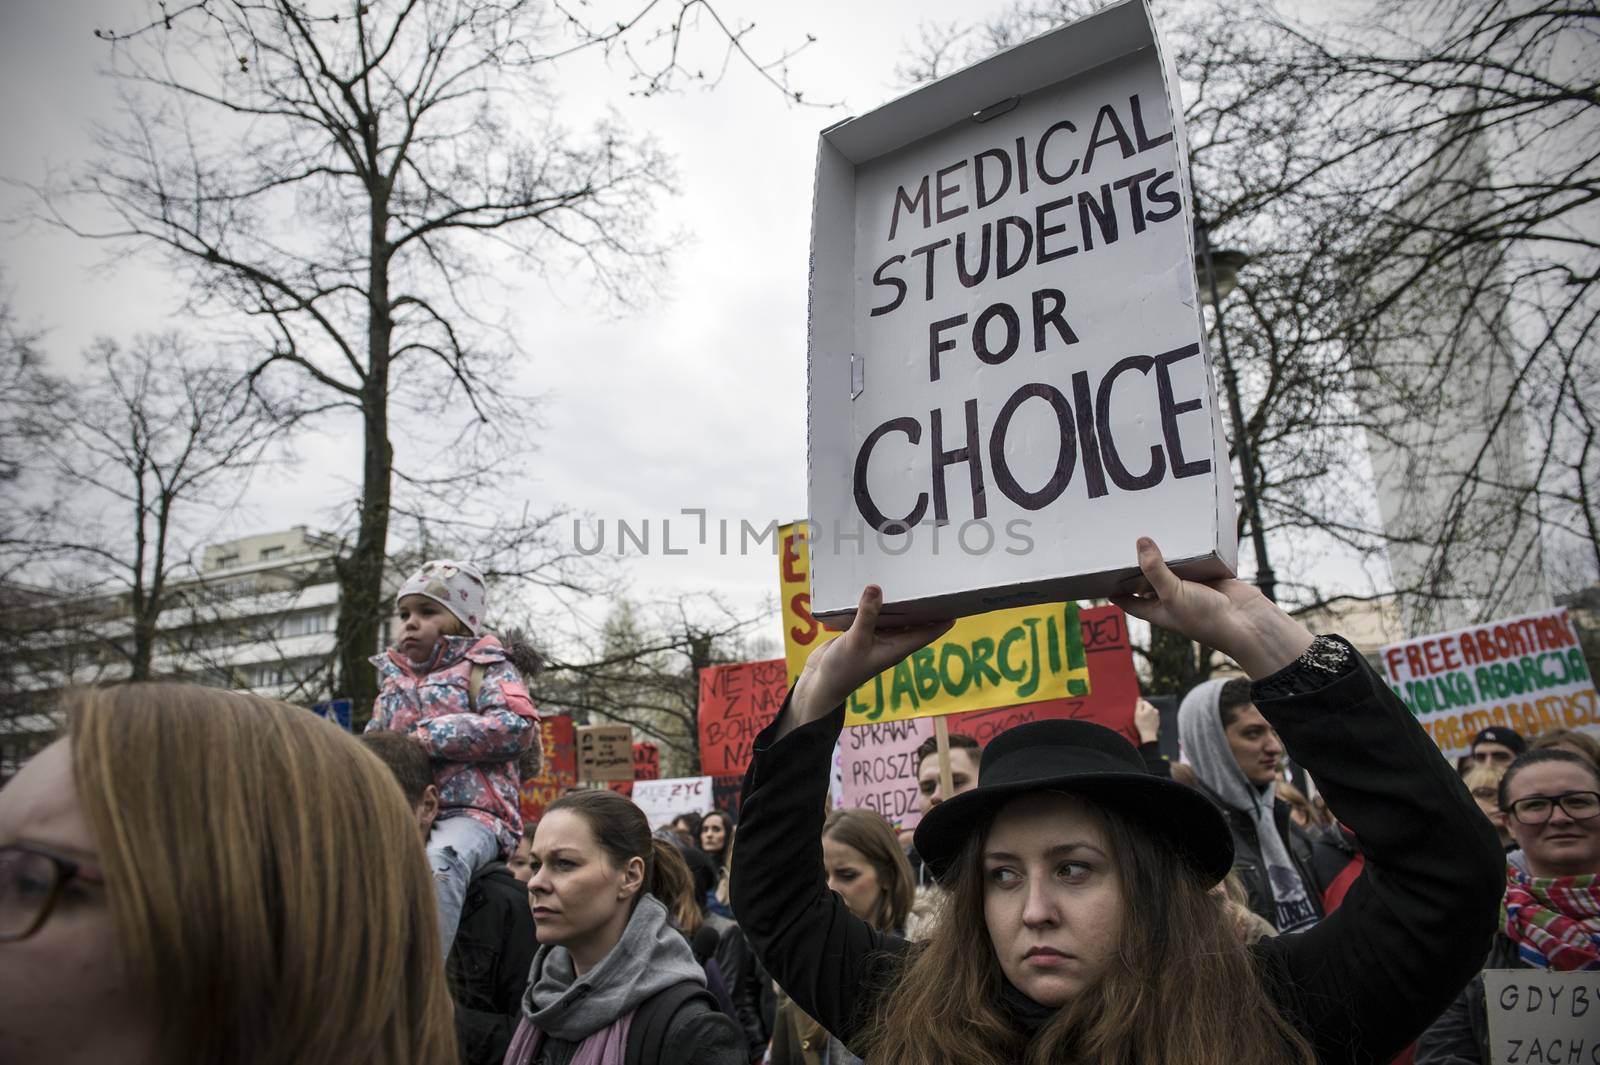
(1554, 921)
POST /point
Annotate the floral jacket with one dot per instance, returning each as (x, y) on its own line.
(475, 752)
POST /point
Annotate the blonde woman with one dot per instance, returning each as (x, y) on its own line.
(198, 876)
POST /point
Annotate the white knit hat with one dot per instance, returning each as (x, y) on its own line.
(456, 586)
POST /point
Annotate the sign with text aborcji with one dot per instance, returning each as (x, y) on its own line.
(1008, 381)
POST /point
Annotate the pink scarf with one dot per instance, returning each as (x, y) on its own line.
(608, 1046)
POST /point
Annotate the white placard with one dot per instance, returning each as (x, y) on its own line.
(662, 800)
(1524, 673)
(1008, 374)
(1538, 1017)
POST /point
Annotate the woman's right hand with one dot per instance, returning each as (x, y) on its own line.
(842, 665)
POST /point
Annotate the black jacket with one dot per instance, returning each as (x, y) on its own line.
(489, 963)
(1461, 1034)
(741, 976)
(1361, 984)
(1252, 871)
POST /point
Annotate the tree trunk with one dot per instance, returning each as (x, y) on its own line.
(361, 606)
(144, 641)
(1177, 663)
(360, 573)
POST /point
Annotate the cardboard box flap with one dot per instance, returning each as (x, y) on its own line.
(1108, 34)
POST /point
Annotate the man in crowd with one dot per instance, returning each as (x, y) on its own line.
(495, 941)
(1497, 746)
(965, 755)
(1235, 754)
(521, 861)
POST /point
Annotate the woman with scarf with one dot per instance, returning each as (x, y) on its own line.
(1081, 924)
(613, 982)
(1236, 754)
(1550, 917)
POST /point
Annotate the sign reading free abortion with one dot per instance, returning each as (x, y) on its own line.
(1525, 673)
(1008, 379)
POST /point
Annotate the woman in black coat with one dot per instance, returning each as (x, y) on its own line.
(1081, 924)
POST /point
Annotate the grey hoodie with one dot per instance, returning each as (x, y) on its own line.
(1203, 743)
(650, 957)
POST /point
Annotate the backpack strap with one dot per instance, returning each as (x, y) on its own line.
(474, 685)
(648, 1032)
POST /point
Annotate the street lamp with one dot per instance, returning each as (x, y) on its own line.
(1218, 272)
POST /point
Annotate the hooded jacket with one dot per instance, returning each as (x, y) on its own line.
(561, 1009)
(1245, 806)
(474, 746)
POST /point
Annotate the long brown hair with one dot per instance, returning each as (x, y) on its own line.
(266, 878)
(869, 834)
(1178, 967)
(673, 884)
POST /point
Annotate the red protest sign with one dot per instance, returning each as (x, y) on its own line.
(559, 771)
(1113, 686)
(646, 761)
(736, 703)
(646, 766)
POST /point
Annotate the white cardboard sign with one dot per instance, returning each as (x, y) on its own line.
(1008, 378)
(1525, 673)
(1538, 1017)
(662, 800)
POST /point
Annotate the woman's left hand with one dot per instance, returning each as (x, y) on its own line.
(840, 666)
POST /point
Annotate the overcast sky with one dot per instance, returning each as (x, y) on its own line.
(696, 401)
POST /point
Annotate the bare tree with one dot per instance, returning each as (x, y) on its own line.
(644, 670)
(151, 450)
(1416, 192)
(335, 173)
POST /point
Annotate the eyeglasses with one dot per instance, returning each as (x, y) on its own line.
(1536, 809)
(31, 882)
(1485, 793)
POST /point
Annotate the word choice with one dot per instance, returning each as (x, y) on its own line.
(1084, 434)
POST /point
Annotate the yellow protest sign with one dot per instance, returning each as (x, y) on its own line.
(1022, 654)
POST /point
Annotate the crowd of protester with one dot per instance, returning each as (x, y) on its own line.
(191, 875)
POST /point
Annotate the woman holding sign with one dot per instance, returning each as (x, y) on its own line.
(1081, 925)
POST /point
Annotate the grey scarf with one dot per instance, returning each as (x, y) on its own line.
(650, 957)
(1204, 745)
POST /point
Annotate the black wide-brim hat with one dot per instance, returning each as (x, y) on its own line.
(1082, 759)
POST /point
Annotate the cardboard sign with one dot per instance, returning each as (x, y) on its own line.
(736, 703)
(880, 771)
(662, 800)
(605, 752)
(559, 770)
(1008, 378)
(1525, 673)
(1003, 658)
(1538, 1016)
(646, 766)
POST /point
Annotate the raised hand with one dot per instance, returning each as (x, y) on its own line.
(840, 666)
(1146, 721)
(1230, 615)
